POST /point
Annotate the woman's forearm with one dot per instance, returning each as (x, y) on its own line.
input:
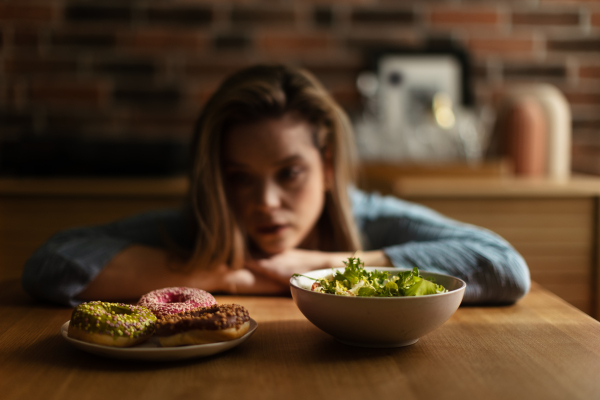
(140, 269)
(282, 266)
(372, 258)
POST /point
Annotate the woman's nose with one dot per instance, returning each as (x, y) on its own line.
(269, 195)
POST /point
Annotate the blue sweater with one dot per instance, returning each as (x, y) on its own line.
(409, 234)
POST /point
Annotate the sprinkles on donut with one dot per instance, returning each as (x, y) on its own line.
(111, 324)
(173, 300)
(218, 323)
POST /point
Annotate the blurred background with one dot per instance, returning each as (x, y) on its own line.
(95, 84)
(98, 100)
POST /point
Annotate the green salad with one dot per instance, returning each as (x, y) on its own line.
(356, 281)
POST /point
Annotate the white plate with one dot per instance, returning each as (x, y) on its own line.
(151, 350)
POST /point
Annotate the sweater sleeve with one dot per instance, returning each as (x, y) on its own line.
(412, 235)
(70, 260)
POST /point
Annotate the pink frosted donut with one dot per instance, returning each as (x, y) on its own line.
(174, 300)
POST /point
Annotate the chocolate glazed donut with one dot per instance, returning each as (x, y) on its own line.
(218, 323)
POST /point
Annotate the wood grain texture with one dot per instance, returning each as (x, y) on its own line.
(577, 186)
(540, 348)
(97, 187)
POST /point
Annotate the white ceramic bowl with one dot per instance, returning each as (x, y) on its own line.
(377, 321)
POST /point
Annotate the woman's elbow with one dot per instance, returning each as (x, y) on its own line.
(42, 278)
(32, 279)
(517, 276)
(503, 280)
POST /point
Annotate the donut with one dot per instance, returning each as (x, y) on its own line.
(174, 300)
(218, 323)
(111, 324)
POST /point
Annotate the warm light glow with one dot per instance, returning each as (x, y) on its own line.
(442, 110)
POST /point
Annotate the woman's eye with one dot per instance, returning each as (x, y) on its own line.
(290, 174)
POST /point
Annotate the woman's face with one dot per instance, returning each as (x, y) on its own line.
(275, 179)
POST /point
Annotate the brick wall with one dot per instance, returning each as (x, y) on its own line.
(139, 70)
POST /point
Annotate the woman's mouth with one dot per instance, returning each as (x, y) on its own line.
(271, 229)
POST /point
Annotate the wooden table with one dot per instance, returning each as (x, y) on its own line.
(540, 348)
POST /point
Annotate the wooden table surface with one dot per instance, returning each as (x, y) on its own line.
(540, 348)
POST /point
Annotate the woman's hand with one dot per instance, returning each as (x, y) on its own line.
(245, 281)
(138, 270)
(282, 266)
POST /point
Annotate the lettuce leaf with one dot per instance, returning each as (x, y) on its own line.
(420, 287)
(356, 281)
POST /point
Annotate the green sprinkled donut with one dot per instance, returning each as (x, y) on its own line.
(111, 324)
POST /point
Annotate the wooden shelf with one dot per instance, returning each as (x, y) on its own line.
(137, 187)
(503, 187)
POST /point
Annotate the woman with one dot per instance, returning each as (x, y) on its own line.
(271, 195)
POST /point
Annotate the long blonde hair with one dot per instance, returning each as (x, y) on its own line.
(250, 95)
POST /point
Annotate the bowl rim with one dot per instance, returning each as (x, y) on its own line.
(450, 292)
